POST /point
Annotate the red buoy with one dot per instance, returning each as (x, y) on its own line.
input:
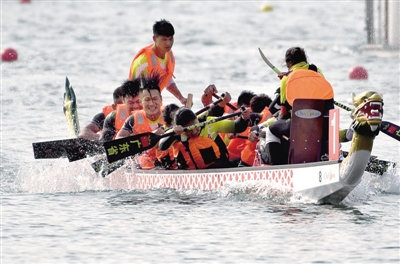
(358, 73)
(24, 1)
(9, 54)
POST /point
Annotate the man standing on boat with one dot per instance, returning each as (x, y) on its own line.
(158, 58)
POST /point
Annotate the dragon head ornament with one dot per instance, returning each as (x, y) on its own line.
(368, 112)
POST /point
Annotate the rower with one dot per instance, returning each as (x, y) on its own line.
(115, 120)
(202, 148)
(92, 130)
(149, 119)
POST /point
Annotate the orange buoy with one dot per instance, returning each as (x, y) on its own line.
(358, 73)
(9, 54)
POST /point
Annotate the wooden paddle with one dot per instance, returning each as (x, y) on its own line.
(189, 102)
(130, 146)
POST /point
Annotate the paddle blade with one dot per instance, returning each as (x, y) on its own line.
(124, 147)
(74, 149)
(390, 129)
(104, 168)
(376, 165)
(50, 149)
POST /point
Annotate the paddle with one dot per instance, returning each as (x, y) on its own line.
(130, 146)
(390, 129)
(234, 108)
(74, 149)
(386, 127)
(207, 107)
(189, 101)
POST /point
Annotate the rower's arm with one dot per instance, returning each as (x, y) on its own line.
(240, 125)
(108, 132)
(89, 132)
(173, 89)
(127, 128)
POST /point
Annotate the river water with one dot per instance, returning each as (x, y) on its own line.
(55, 211)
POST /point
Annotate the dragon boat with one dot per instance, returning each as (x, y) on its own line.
(323, 181)
(328, 181)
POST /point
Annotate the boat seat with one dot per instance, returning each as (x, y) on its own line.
(306, 132)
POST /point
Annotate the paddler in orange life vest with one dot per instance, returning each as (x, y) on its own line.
(147, 120)
(202, 147)
(243, 100)
(305, 81)
(165, 159)
(114, 121)
(92, 130)
(259, 105)
(236, 144)
(158, 58)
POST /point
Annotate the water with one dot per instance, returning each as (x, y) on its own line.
(55, 211)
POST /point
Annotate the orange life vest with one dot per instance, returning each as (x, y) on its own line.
(307, 84)
(142, 125)
(236, 145)
(166, 157)
(196, 153)
(120, 117)
(154, 65)
(228, 110)
(107, 109)
(248, 154)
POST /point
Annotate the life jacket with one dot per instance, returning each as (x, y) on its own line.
(120, 117)
(196, 153)
(228, 110)
(248, 154)
(205, 132)
(165, 159)
(236, 145)
(107, 109)
(142, 125)
(154, 65)
(307, 84)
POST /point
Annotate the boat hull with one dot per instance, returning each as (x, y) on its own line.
(314, 181)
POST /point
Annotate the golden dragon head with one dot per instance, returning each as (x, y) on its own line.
(368, 111)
